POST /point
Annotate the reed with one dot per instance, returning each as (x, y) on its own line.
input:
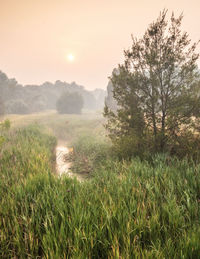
(128, 209)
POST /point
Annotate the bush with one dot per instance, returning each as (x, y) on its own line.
(186, 145)
(88, 153)
(70, 103)
(129, 146)
(5, 125)
(4, 128)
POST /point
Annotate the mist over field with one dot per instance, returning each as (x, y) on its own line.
(19, 99)
(108, 167)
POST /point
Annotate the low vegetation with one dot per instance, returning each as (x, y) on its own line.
(89, 152)
(127, 209)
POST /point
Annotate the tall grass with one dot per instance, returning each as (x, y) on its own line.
(88, 153)
(132, 209)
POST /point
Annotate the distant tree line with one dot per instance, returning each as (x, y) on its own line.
(18, 99)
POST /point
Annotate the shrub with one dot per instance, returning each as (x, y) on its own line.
(88, 153)
(4, 127)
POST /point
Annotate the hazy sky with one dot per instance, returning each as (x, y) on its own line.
(36, 36)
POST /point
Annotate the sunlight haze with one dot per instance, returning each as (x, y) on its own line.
(37, 36)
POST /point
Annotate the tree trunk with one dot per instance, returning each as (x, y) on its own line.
(162, 141)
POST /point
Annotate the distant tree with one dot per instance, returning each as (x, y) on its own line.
(71, 103)
(157, 88)
(110, 101)
(17, 107)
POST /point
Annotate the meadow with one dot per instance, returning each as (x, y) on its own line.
(125, 209)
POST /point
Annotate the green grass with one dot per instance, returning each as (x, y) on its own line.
(65, 127)
(128, 209)
(89, 152)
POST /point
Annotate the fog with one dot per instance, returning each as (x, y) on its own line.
(24, 99)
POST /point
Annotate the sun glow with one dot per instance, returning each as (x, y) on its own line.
(70, 57)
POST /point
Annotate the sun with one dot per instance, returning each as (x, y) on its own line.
(70, 57)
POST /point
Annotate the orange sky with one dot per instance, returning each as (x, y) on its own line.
(37, 35)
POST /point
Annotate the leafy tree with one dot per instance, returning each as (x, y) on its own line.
(17, 107)
(70, 103)
(156, 88)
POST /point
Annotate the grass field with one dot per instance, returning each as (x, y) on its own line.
(127, 209)
(63, 127)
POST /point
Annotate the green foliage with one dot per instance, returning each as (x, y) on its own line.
(70, 103)
(157, 90)
(5, 125)
(129, 146)
(88, 153)
(4, 128)
(2, 139)
(25, 152)
(129, 209)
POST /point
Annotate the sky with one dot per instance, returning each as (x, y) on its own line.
(78, 40)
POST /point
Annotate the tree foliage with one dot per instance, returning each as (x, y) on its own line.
(17, 106)
(70, 103)
(156, 88)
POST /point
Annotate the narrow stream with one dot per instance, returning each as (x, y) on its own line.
(62, 165)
